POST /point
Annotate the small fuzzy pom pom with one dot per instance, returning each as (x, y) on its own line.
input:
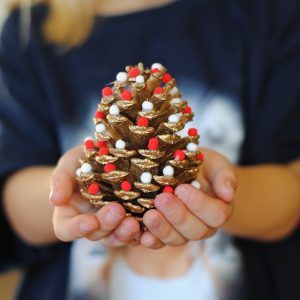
(173, 91)
(193, 132)
(126, 186)
(122, 77)
(114, 110)
(140, 79)
(89, 144)
(93, 189)
(142, 122)
(156, 70)
(179, 155)
(126, 95)
(109, 168)
(101, 144)
(120, 144)
(147, 106)
(99, 115)
(86, 168)
(175, 100)
(133, 72)
(88, 138)
(168, 171)
(158, 90)
(187, 110)
(107, 91)
(168, 189)
(200, 156)
(146, 177)
(192, 147)
(166, 78)
(173, 118)
(196, 184)
(153, 144)
(103, 151)
(100, 128)
(78, 172)
(156, 66)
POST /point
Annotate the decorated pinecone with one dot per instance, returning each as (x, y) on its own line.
(138, 151)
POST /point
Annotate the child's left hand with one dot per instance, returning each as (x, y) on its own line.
(192, 214)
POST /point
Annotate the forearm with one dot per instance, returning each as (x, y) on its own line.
(27, 206)
(267, 204)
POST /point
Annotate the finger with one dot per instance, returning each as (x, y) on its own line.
(68, 225)
(150, 241)
(127, 229)
(112, 241)
(82, 205)
(161, 228)
(63, 181)
(110, 217)
(221, 174)
(188, 225)
(212, 211)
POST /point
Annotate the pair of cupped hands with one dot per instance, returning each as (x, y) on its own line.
(188, 214)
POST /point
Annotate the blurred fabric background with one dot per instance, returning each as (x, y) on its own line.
(8, 281)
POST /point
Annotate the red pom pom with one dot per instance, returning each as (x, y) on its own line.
(99, 114)
(179, 155)
(200, 156)
(109, 168)
(153, 144)
(156, 70)
(193, 132)
(133, 72)
(93, 189)
(166, 78)
(142, 122)
(102, 144)
(187, 110)
(103, 151)
(126, 186)
(89, 144)
(168, 189)
(107, 91)
(126, 95)
(158, 90)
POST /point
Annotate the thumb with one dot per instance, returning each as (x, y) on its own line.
(63, 182)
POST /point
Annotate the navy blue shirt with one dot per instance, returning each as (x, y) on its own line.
(246, 51)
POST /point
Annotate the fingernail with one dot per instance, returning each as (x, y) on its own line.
(113, 216)
(229, 187)
(86, 227)
(53, 190)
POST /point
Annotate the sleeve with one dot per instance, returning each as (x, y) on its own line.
(272, 86)
(27, 133)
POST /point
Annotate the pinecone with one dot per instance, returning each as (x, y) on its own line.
(138, 152)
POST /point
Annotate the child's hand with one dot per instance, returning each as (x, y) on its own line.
(74, 218)
(193, 214)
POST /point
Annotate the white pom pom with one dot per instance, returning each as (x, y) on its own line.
(86, 168)
(146, 177)
(100, 128)
(122, 77)
(168, 171)
(120, 144)
(196, 184)
(114, 110)
(173, 118)
(173, 91)
(175, 100)
(78, 172)
(139, 79)
(192, 147)
(88, 138)
(147, 106)
(156, 66)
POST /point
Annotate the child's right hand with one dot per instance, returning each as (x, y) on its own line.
(74, 218)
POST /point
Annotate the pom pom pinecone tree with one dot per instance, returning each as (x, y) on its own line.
(138, 152)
